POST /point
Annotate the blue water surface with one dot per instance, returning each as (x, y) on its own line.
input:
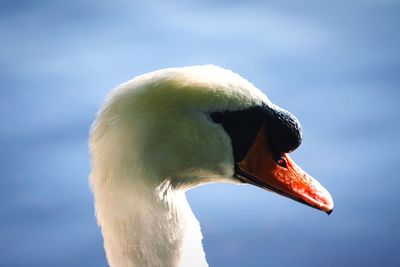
(335, 65)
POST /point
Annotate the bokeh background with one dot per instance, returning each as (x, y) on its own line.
(334, 64)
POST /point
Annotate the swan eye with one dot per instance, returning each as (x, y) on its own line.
(281, 161)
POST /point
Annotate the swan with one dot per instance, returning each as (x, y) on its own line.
(165, 132)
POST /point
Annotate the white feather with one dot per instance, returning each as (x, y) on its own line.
(151, 141)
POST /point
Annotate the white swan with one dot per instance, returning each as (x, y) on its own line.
(165, 132)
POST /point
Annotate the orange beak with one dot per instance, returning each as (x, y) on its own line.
(283, 176)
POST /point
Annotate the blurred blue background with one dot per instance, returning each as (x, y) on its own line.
(334, 64)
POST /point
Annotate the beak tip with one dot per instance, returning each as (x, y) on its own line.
(329, 212)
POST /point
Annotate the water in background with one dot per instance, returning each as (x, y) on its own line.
(334, 65)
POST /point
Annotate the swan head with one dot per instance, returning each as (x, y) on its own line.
(195, 125)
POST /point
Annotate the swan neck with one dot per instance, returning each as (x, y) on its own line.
(143, 227)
